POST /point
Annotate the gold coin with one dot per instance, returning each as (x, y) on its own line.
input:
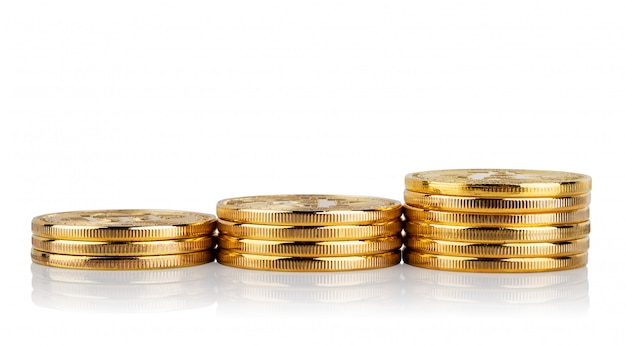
(532, 234)
(498, 183)
(309, 210)
(503, 220)
(310, 249)
(311, 233)
(494, 265)
(136, 248)
(454, 248)
(495, 205)
(124, 225)
(121, 262)
(299, 264)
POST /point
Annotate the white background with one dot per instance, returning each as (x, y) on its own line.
(176, 105)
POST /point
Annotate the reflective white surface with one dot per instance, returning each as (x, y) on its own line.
(138, 291)
(403, 290)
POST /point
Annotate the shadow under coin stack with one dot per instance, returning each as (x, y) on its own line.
(482, 220)
(309, 232)
(123, 239)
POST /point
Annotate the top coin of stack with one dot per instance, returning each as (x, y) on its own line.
(497, 220)
(123, 239)
(309, 232)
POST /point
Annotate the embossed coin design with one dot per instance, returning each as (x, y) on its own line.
(498, 183)
(308, 233)
(124, 225)
(125, 239)
(497, 220)
(309, 210)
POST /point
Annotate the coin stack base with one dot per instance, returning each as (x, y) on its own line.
(309, 233)
(123, 239)
(497, 220)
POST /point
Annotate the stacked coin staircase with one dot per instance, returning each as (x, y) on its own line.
(497, 220)
(309, 232)
(123, 239)
(477, 220)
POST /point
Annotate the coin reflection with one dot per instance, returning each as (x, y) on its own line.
(443, 292)
(131, 291)
(266, 292)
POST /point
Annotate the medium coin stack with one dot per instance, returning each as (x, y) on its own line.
(123, 239)
(305, 233)
(497, 220)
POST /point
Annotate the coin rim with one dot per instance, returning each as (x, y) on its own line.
(309, 218)
(121, 262)
(507, 250)
(495, 265)
(120, 233)
(316, 233)
(477, 219)
(134, 248)
(501, 205)
(310, 249)
(522, 234)
(299, 264)
(511, 189)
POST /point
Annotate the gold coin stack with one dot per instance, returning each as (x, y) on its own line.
(123, 239)
(497, 220)
(305, 233)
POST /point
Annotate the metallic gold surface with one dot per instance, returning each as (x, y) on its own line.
(299, 264)
(498, 235)
(453, 248)
(136, 248)
(124, 225)
(121, 262)
(495, 205)
(309, 210)
(498, 183)
(314, 233)
(493, 265)
(310, 249)
(501, 220)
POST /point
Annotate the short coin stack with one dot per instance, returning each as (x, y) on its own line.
(309, 232)
(123, 239)
(497, 220)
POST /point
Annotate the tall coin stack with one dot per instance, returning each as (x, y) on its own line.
(309, 232)
(123, 239)
(497, 220)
